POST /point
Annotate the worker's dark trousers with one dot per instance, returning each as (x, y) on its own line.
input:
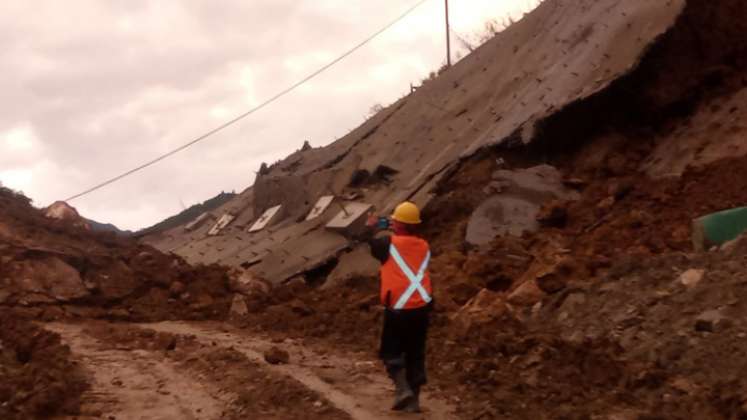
(403, 343)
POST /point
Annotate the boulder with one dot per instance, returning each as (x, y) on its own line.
(483, 308)
(708, 321)
(238, 306)
(527, 294)
(276, 356)
(115, 281)
(177, 288)
(60, 210)
(691, 277)
(248, 284)
(47, 279)
(553, 214)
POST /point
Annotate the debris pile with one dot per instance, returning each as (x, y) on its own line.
(37, 377)
(56, 268)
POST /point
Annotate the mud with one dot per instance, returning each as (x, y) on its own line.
(38, 378)
(141, 373)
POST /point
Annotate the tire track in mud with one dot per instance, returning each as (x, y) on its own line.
(359, 388)
(135, 384)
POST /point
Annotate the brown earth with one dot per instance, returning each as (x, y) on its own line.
(106, 276)
(240, 386)
(37, 378)
(587, 318)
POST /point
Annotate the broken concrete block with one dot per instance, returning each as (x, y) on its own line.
(321, 205)
(691, 277)
(515, 210)
(270, 216)
(352, 219)
(501, 215)
(718, 228)
(224, 221)
(358, 263)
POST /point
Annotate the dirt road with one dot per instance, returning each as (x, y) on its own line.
(134, 384)
(180, 370)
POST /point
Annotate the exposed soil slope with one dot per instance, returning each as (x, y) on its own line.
(52, 268)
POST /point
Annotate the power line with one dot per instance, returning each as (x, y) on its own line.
(253, 110)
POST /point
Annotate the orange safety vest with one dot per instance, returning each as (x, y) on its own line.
(405, 282)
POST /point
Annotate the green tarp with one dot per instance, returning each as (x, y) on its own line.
(718, 228)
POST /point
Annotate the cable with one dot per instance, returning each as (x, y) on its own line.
(253, 110)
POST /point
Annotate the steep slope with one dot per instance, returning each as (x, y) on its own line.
(556, 56)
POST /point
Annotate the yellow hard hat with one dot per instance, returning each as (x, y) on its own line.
(407, 213)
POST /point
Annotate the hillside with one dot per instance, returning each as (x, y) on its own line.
(560, 166)
(188, 214)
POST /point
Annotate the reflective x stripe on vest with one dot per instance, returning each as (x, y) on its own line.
(415, 280)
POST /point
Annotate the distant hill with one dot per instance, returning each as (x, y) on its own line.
(189, 214)
(107, 227)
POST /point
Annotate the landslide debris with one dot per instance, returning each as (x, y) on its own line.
(605, 311)
(37, 377)
(54, 268)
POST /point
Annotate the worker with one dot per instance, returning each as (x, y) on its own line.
(407, 298)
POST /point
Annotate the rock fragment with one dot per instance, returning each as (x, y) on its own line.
(277, 356)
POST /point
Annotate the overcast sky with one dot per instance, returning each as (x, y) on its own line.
(92, 88)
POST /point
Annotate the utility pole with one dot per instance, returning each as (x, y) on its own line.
(448, 36)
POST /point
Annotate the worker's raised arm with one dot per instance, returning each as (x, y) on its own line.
(379, 245)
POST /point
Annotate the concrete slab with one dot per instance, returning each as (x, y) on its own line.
(270, 216)
(199, 221)
(499, 216)
(356, 264)
(321, 205)
(299, 255)
(352, 219)
(224, 221)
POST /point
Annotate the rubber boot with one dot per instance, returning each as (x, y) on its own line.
(414, 405)
(403, 394)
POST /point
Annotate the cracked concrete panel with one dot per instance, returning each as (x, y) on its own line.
(321, 205)
(199, 221)
(561, 53)
(270, 216)
(298, 255)
(224, 221)
(514, 210)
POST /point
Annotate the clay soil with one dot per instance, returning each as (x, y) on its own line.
(37, 377)
(125, 280)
